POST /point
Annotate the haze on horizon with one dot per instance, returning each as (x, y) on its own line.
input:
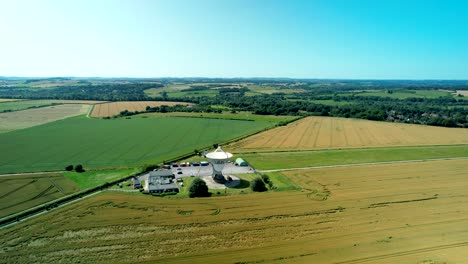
(208, 38)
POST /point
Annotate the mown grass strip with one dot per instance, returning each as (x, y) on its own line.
(284, 160)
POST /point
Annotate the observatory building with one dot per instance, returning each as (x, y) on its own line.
(218, 158)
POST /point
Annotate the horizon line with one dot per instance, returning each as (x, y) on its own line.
(246, 78)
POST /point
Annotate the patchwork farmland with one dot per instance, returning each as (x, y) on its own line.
(37, 116)
(16, 105)
(332, 133)
(114, 108)
(373, 214)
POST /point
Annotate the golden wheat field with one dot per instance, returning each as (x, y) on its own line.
(333, 133)
(393, 213)
(114, 108)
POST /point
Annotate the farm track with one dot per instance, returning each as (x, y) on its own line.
(39, 195)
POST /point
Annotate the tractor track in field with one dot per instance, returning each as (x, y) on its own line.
(17, 189)
(360, 164)
(403, 253)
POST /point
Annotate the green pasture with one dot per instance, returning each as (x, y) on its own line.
(270, 89)
(90, 179)
(284, 160)
(24, 104)
(113, 143)
(225, 115)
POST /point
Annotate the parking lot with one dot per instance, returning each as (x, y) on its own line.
(202, 171)
(229, 169)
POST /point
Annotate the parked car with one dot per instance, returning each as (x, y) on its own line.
(179, 172)
(175, 165)
(204, 163)
(195, 164)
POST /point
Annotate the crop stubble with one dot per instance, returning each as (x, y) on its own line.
(332, 133)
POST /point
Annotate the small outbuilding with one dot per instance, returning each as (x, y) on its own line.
(241, 162)
(136, 183)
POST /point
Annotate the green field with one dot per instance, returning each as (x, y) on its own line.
(90, 179)
(20, 192)
(283, 160)
(226, 115)
(25, 104)
(114, 143)
(403, 94)
(180, 90)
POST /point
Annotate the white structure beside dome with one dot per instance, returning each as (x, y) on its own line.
(218, 159)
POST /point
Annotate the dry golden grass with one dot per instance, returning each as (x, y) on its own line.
(332, 133)
(114, 108)
(463, 92)
(2, 100)
(398, 213)
(38, 116)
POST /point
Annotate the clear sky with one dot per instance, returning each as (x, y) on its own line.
(353, 39)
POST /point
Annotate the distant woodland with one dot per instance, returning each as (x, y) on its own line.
(421, 102)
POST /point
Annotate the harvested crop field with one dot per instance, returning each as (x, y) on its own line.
(20, 192)
(37, 116)
(331, 133)
(463, 92)
(342, 215)
(114, 108)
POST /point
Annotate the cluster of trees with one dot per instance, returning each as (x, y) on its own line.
(259, 184)
(78, 168)
(103, 92)
(198, 188)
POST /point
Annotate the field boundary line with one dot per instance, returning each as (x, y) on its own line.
(361, 164)
(29, 173)
(90, 110)
(353, 148)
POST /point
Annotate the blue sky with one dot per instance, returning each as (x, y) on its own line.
(256, 38)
